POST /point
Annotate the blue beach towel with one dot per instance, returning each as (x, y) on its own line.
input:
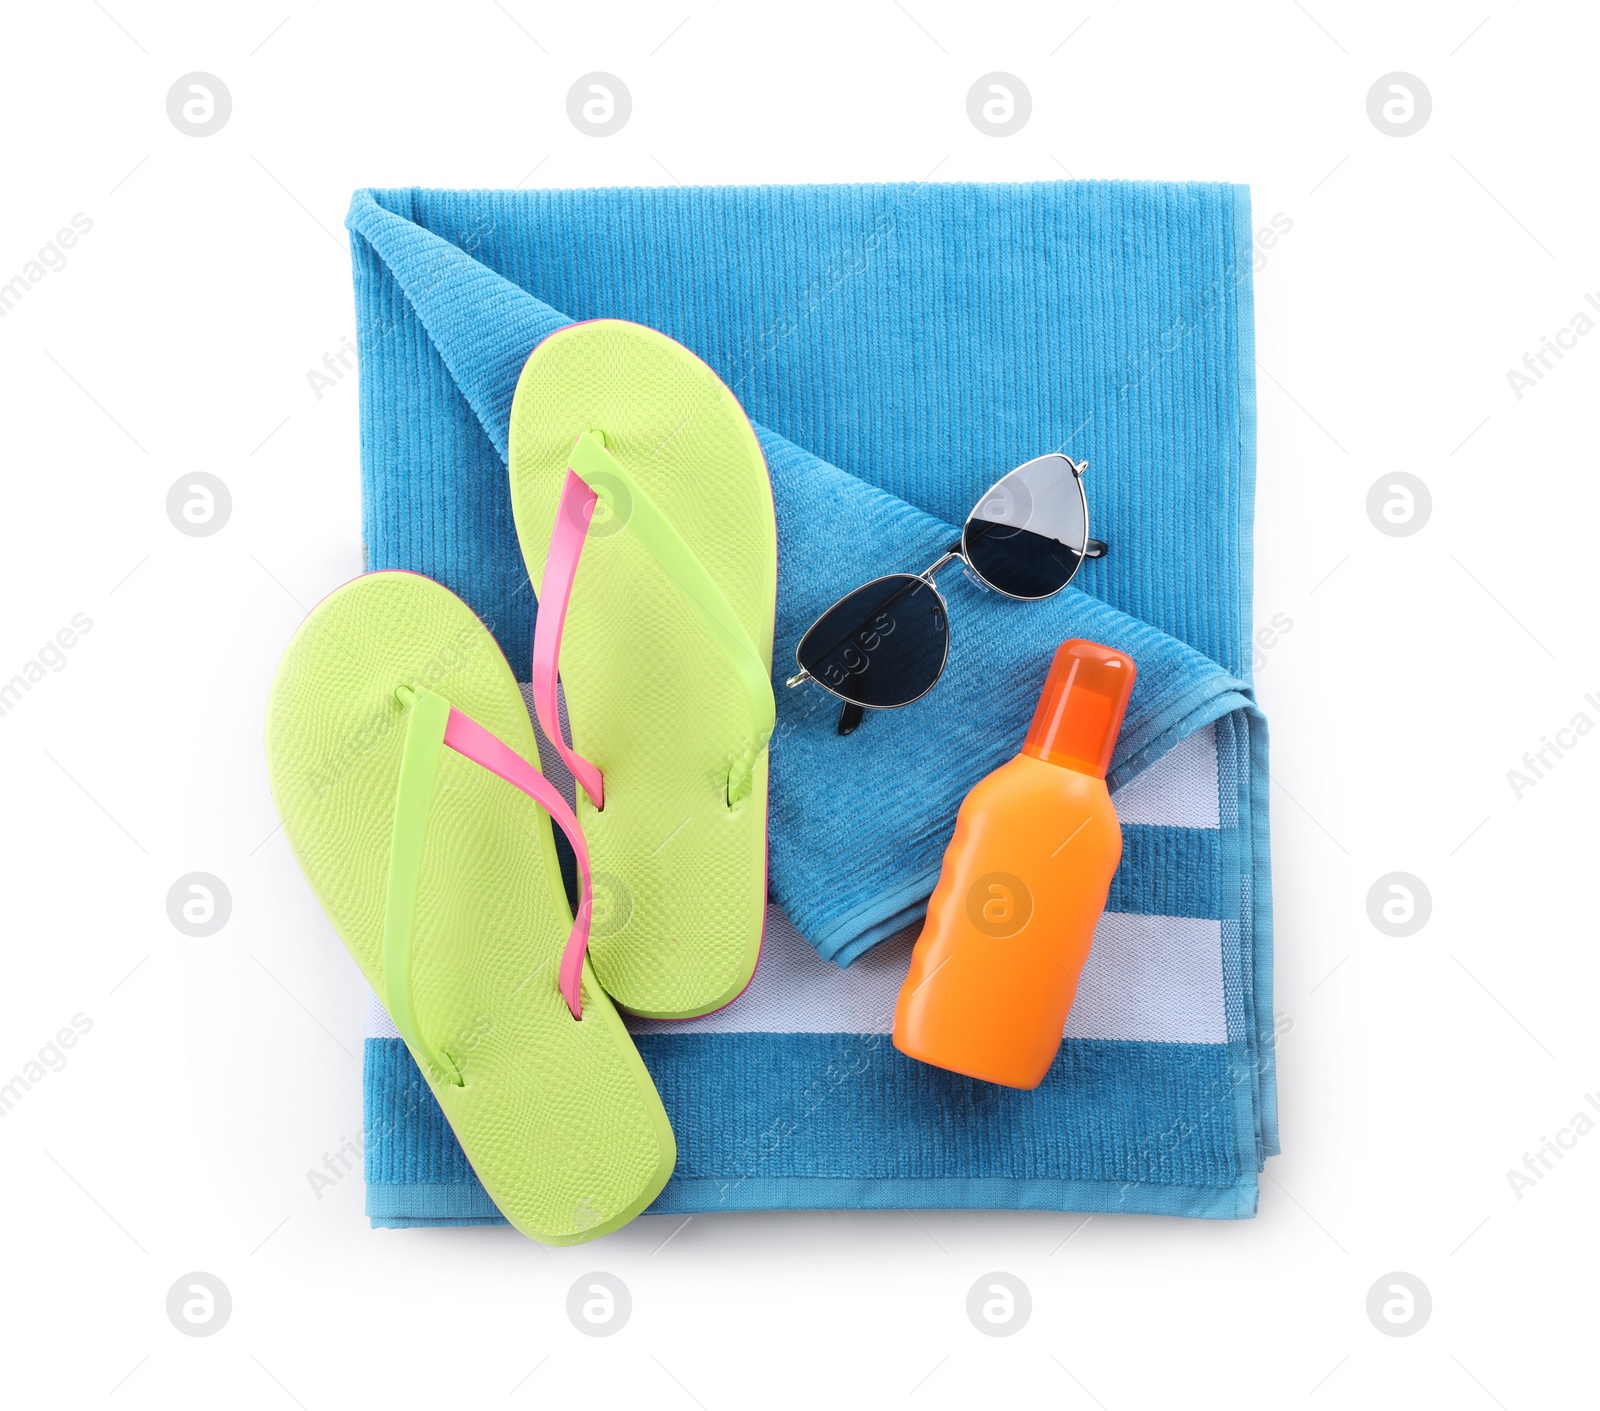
(898, 348)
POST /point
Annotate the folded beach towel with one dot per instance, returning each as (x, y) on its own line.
(899, 348)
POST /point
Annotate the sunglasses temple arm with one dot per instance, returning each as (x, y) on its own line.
(1095, 549)
(851, 716)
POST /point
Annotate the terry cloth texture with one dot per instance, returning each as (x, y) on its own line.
(898, 348)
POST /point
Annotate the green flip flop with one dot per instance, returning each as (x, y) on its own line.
(627, 450)
(400, 750)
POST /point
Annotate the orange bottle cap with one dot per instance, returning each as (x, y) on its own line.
(1081, 708)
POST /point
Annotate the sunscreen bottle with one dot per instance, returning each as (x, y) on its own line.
(1023, 884)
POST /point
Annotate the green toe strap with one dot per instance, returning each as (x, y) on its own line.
(419, 761)
(626, 500)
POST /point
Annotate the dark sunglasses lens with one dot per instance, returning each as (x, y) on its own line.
(1027, 535)
(882, 645)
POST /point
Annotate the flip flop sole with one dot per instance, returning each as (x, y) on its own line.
(680, 886)
(558, 1116)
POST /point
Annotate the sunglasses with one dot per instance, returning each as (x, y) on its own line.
(884, 645)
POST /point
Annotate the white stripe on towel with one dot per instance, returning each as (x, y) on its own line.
(1154, 979)
(1179, 789)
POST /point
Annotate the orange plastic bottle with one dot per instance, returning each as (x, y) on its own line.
(1024, 882)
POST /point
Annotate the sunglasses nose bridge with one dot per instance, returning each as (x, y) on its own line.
(950, 555)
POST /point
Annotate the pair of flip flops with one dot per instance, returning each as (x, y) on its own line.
(405, 769)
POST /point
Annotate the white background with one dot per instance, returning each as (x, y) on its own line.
(1415, 1072)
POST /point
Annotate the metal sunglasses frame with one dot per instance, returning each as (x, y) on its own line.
(855, 711)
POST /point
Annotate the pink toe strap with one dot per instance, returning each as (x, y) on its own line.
(466, 737)
(561, 567)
